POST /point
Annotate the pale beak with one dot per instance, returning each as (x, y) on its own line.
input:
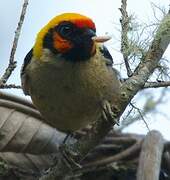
(100, 39)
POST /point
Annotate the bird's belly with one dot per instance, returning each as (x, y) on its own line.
(70, 98)
(67, 113)
(65, 104)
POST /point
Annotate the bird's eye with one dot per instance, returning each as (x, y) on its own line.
(65, 30)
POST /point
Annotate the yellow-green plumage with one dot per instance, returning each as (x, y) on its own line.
(70, 95)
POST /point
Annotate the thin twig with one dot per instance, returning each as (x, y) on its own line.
(141, 115)
(120, 156)
(10, 86)
(157, 84)
(12, 63)
(124, 37)
(149, 107)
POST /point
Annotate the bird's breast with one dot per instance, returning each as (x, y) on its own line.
(70, 95)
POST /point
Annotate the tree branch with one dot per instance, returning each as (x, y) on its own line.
(157, 84)
(12, 63)
(124, 36)
(118, 157)
(150, 158)
(148, 62)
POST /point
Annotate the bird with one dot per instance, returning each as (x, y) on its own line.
(69, 75)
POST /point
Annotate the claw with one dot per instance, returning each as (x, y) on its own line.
(67, 158)
(108, 114)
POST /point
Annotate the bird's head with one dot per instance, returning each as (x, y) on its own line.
(71, 35)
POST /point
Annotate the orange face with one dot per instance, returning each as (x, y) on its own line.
(60, 44)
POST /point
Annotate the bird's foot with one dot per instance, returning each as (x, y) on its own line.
(108, 114)
(69, 157)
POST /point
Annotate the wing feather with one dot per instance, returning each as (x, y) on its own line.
(24, 76)
(109, 61)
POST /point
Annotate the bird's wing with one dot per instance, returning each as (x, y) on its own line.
(109, 61)
(107, 55)
(24, 76)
